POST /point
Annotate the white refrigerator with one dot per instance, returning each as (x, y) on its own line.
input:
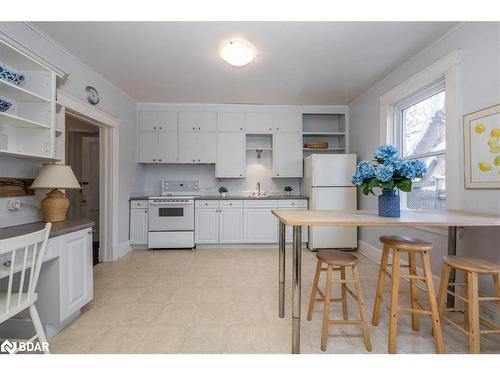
(327, 182)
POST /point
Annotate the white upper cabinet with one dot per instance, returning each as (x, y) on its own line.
(167, 147)
(197, 147)
(231, 155)
(148, 147)
(259, 122)
(148, 121)
(167, 121)
(188, 152)
(287, 122)
(231, 122)
(197, 121)
(287, 154)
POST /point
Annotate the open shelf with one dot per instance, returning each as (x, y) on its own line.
(323, 133)
(17, 93)
(24, 155)
(13, 120)
(325, 149)
(259, 148)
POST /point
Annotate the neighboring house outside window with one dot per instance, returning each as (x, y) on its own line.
(420, 133)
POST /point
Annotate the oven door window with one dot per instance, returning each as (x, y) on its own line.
(171, 212)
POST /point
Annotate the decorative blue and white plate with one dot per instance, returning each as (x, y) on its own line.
(10, 75)
(4, 105)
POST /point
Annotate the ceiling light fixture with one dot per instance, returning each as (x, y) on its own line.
(237, 52)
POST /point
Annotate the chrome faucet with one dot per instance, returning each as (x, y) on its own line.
(258, 189)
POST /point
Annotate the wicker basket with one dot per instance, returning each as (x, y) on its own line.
(316, 145)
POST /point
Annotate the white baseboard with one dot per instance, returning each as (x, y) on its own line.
(375, 254)
(123, 249)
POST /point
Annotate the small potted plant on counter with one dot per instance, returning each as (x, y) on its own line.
(390, 173)
(288, 190)
(223, 191)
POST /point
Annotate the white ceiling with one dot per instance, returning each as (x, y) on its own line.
(324, 63)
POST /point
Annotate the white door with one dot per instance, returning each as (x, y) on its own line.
(336, 198)
(260, 225)
(89, 202)
(259, 122)
(188, 147)
(148, 146)
(167, 147)
(75, 272)
(230, 122)
(167, 121)
(288, 122)
(207, 121)
(287, 154)
(231, 225)
(138, 226)
(231, 155)
(207, 225)
(207, 147)
(148, 120)
(332, 170)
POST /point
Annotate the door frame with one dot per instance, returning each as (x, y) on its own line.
(108, 126)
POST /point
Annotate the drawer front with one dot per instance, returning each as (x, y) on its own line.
(207, 204)
(261, 203)
(139, 204)
(231, 204)
(292, 203)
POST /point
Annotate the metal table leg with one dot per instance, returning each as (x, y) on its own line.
(281, 249)
(452, 250)
(296, 287)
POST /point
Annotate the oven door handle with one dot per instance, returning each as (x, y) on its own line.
(171, 203)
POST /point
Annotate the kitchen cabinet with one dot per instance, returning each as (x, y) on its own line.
(138, 222)
(152, 120)
(231, 122)
(147, 146)
(259, 224)
(207, 225)
(157, 137)
(287, 155)
(258, 122)
(287, 122)
(197, 147)
(294, 204)
(231, 221)
(75, 268)
(231, 155)
(167, 147)
(197, 121)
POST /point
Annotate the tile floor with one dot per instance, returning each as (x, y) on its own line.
(223, 301)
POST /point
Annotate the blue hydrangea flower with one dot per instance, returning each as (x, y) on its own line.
(385, 153)
(364, 171)
(420, 168)
(384, 173)
(357, 179)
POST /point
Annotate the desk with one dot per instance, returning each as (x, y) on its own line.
(425, 218)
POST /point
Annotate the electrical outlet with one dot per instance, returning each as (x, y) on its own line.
(13, 204)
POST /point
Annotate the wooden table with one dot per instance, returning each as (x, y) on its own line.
(438, 218)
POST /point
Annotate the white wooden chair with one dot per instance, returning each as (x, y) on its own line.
(18, 255)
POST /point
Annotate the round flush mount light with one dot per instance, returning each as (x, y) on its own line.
(237, 52)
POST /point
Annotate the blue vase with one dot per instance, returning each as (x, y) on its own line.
(388, 203)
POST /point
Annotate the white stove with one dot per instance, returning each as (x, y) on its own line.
(171, 215)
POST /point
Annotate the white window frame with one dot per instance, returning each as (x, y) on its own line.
(445, 69)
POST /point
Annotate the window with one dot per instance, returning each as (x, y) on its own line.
(420, 133)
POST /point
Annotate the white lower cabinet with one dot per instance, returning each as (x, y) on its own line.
(218, 225)
(260, 225)
(230, 225)
(75, 269)
(207, 225)
(138, 222)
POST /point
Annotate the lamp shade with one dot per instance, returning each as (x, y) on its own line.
(56, 176)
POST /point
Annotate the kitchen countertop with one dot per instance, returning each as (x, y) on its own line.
(58, 229)
(235, 197)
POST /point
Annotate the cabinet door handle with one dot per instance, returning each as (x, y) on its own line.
(277, 128)
(199, 128)
(241, 174)
(146, 211)
(194, 128)
(154, 159)
(160, 127)
(241, 128)
(154, 127)
(194, 160)
(199, 160)
(159, 159)
(270, 128)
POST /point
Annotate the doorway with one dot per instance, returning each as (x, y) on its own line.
(83, 155)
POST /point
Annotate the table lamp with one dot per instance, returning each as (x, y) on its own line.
(55, 176)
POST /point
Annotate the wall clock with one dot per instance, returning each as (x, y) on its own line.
(92, 95)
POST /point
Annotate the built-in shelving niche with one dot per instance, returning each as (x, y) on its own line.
(29, 123)
(262, 142)
(330, 128)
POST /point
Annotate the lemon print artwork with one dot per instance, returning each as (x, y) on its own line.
(485, 167)
(479, 128)
(497, 161)
(494, 141)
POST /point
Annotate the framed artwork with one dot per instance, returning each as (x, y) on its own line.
(482, 148)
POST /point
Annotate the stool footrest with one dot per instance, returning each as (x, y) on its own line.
(456, 295)
(343, 281)
(444, 318)
(417, 311)
(345, 322)
(417, 277)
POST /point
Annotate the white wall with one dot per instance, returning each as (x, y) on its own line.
(479, 87)
(113, 101)
(258, 170)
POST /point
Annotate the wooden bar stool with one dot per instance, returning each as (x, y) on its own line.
(413, 247)
(472, 268)
(336, 260)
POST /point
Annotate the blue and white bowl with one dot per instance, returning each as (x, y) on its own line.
(10, 75)
(4, 105)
